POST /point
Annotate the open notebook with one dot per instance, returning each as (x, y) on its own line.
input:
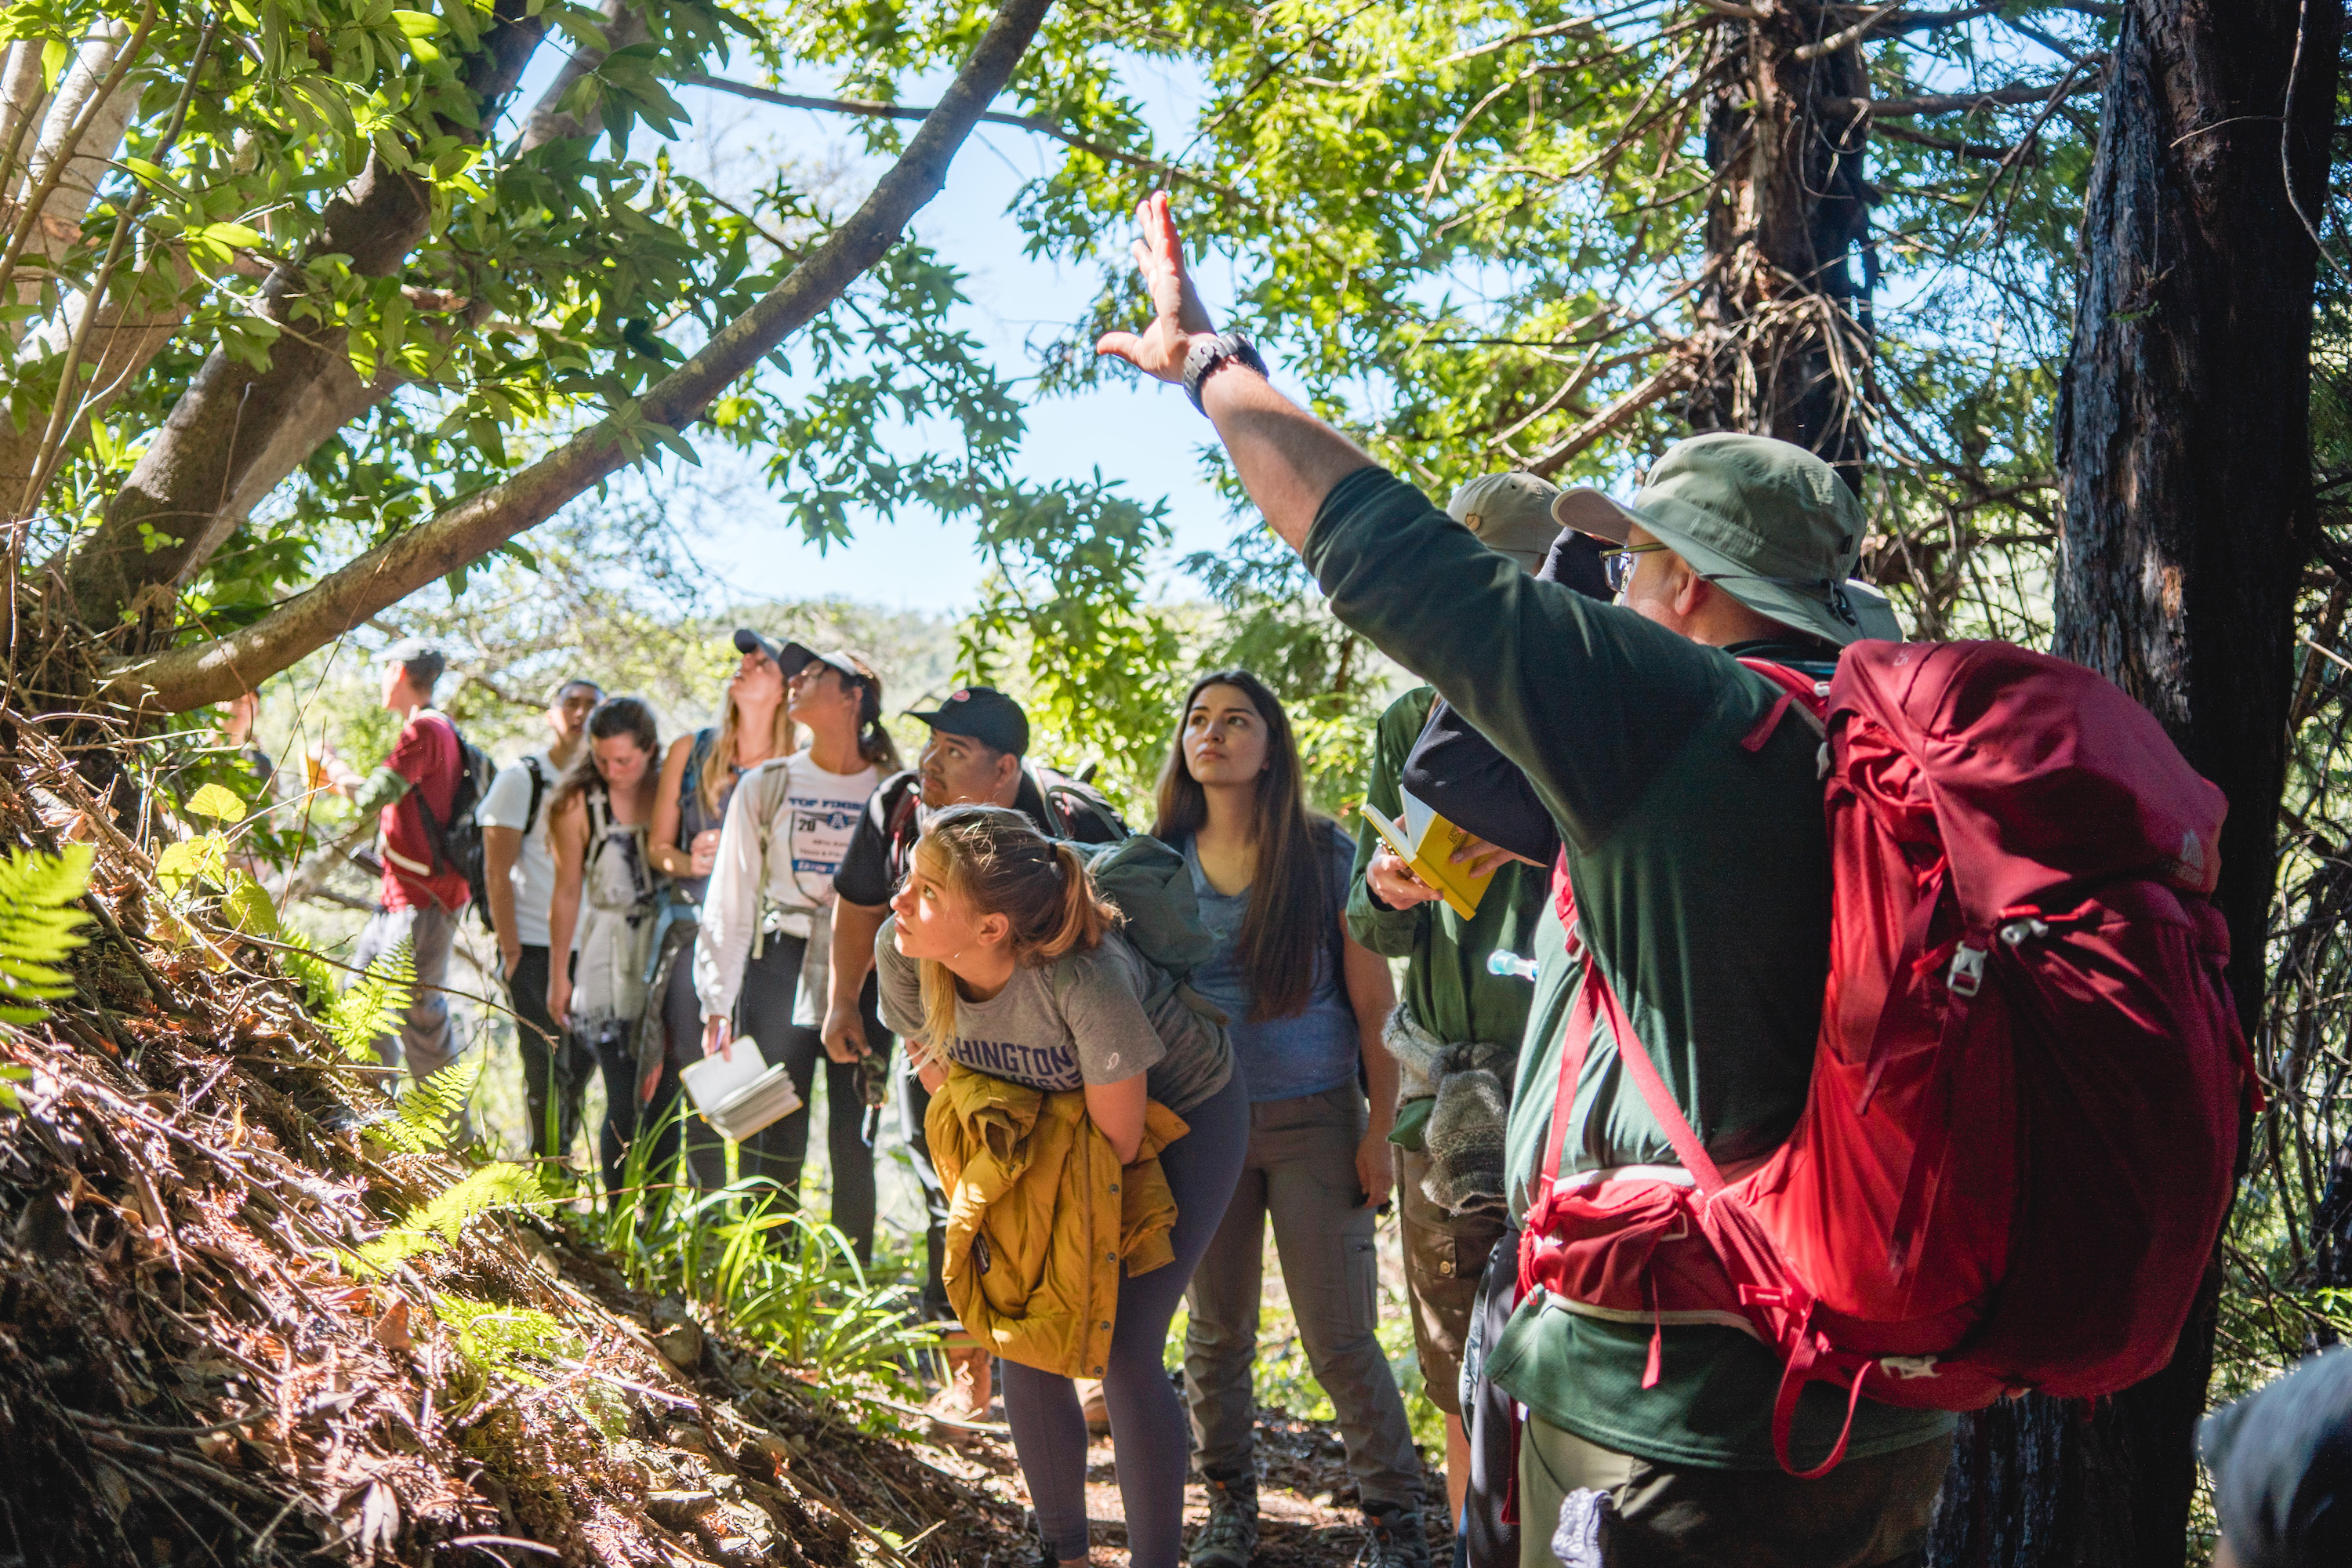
(1425, 842)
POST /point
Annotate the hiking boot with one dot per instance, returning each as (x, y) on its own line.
(965, 1398)
(1229, 1535)
(1396, 1538)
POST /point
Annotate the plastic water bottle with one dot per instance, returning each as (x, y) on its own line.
(1502, 961)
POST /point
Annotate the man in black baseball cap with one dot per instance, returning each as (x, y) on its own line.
(985, 714)
(975, 757)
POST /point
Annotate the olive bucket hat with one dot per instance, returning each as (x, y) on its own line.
(1769, 522)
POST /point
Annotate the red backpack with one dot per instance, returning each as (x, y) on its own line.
(2018, 1144)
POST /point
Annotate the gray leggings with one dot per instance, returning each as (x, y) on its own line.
(1148, 1442)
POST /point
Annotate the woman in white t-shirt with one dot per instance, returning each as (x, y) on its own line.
(759, 963)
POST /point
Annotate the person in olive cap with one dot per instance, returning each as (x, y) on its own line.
(2282, 1464)
(1701, 872)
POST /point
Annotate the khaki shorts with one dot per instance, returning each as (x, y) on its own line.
(1445, 1254)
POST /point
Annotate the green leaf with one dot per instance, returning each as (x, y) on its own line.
(218, 802)
(417, 24)
(249, 908)
(203, 858)
(372, 1005)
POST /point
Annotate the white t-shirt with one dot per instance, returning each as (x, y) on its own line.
(815, 814)
(533, 876)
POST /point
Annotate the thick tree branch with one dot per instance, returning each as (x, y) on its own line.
(214, 671)
(549, 121)
(1961, 102)
(179, 491)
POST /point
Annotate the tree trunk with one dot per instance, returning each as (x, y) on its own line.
(2183, 435)
(174, 507)
(1783, 322)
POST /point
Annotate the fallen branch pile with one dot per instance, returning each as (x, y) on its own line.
(195, 1369)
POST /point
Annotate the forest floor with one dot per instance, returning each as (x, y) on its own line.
(1308, 1517)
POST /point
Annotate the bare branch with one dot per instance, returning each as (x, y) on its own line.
(1673, 376)
(1962, 102)
(213, 672)
(873, 108)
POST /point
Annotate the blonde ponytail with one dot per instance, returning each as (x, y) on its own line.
(997, 861)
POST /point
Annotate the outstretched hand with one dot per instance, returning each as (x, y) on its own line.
(1177, 315)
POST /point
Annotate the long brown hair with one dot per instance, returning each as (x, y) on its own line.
(997, 861)
(614, 716)
(1288, 928)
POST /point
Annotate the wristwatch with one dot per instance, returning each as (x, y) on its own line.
(1209, 355)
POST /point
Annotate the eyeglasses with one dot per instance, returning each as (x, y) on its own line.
(1617, 565)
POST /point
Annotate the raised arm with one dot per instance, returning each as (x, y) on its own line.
(1287, 460)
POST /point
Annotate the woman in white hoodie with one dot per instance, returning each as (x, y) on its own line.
(767, 917)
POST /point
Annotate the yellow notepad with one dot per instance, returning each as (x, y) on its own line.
(1425, 842)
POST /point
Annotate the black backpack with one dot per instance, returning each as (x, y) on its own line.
(457, 844)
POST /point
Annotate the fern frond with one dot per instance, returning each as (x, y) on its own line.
(38, 926)
(374, 1004)
(436, 1222)
(421, 1122)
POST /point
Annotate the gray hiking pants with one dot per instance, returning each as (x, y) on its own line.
(424, 1038)
(1300, 1171)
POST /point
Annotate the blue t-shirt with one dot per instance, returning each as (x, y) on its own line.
(1310, 1051)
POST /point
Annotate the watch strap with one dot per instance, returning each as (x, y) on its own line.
(1209, 355)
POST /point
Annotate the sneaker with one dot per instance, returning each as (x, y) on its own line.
(1229, 1535)
(1395, 1538)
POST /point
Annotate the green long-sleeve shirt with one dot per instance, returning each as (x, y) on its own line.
(1446, 984)
(1701, 871)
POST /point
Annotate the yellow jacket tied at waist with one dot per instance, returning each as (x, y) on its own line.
(1041, 1214)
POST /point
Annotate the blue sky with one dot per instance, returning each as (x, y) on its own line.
(1147, 437)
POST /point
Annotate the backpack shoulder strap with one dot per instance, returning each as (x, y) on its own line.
(1810, 698)
(1595, 999)
(537, 792)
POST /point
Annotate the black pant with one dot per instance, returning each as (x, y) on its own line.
(914, 1107)
(616, 1055)
(555, 1067)
(779, 1152)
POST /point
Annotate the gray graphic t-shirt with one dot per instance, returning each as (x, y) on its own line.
(1091, 1017)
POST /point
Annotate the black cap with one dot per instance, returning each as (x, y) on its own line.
(791, 657)
(985, 714)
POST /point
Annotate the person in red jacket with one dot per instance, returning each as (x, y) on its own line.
(422, 893)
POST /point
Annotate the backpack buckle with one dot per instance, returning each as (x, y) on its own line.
(1968, 971)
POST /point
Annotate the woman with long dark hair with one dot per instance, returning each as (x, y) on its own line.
(1001, 957)
(1306, 1003)
(606, 891)
(762, 961)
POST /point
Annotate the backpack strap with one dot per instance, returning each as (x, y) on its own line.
(1809, 697)
(537, 789)
(1596, 999)
(899, 830)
